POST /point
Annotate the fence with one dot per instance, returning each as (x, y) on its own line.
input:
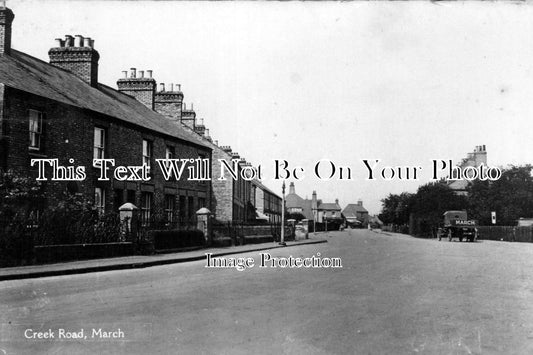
(506, 233)
(20, 235)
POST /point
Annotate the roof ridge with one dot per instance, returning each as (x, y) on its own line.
(27, 73)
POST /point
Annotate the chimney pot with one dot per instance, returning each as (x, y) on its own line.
(69, 41)
(171, 87)
(149, 72)
(184, 106)
(141, 73)
(59, 42)
(87, 42)
(192, 106)
(207, 132)
(162, 86)
(179, 87)
(78, 40)
(133, 73)
(201, 121)
(125, 72)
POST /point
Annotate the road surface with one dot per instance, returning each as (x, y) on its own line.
(393, 295)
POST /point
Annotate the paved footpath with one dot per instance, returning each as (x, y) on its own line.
(137, 261)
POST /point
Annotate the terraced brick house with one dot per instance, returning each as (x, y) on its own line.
(58, 109)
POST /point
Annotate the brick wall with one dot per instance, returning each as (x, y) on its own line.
(68, 132)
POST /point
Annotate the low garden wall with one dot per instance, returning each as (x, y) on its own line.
(176, 239)
(68, 252)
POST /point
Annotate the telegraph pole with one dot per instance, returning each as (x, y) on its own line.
(282, 242)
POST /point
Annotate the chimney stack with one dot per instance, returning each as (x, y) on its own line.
(314, 203)
(226, 148)
(77, 56)
(6, 19)
(169, 103)
(200, 128)
(141, 88)
(207, 135)
(188, 117)
(292, 189)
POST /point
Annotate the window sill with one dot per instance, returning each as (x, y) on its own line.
(36, 153)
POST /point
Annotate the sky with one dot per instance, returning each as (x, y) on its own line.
(402, 82)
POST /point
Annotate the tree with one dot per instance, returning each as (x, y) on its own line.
(396, 208)
(423, 210)
(430, 203)
(511, 196)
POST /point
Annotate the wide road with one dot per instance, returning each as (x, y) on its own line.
(393, 295)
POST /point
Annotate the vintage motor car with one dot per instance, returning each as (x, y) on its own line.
(457, 225)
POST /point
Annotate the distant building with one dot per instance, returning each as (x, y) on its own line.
(356, 214)
(296, 204)
(327, 211)
(314, 209)
(267, 204)
(375, 221)
(525, 222)
(474, 159)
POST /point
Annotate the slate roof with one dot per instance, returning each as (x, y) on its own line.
(352, 209)
(24, 72)
(263, 187)
(329, 206)
(293, 200)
